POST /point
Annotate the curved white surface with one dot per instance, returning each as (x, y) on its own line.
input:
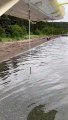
(40, 9)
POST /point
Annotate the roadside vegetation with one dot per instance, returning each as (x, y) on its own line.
(13, 28)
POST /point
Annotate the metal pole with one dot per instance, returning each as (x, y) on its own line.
(52, 25)
(29, 18)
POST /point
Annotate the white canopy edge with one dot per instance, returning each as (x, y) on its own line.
(40, 9)
(5, 5)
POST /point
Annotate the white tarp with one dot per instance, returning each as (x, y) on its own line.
(40, 9)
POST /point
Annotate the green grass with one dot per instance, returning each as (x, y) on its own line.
(8, 39)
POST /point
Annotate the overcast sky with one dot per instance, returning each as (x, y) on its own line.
(66, 10)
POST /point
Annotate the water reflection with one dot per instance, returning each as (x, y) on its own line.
(14, 63)
(4, 70)
(38, 114)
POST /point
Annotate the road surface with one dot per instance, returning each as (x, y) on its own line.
(48, 83)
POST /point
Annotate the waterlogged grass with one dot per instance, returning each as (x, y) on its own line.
(38, 114)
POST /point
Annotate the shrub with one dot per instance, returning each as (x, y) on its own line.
(2, 32)
(17, 31)
(37, 32)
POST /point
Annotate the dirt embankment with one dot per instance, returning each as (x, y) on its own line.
(11, 49)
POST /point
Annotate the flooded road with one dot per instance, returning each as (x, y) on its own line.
(20, 93)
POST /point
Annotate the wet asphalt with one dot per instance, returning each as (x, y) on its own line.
(47, 85)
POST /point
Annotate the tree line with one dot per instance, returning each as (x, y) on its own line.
(16, 28)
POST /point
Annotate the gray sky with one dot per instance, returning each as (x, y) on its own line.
(66, 10)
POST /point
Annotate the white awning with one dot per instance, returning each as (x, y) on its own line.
(40, 9)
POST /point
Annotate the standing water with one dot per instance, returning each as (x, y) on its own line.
(44, 93)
